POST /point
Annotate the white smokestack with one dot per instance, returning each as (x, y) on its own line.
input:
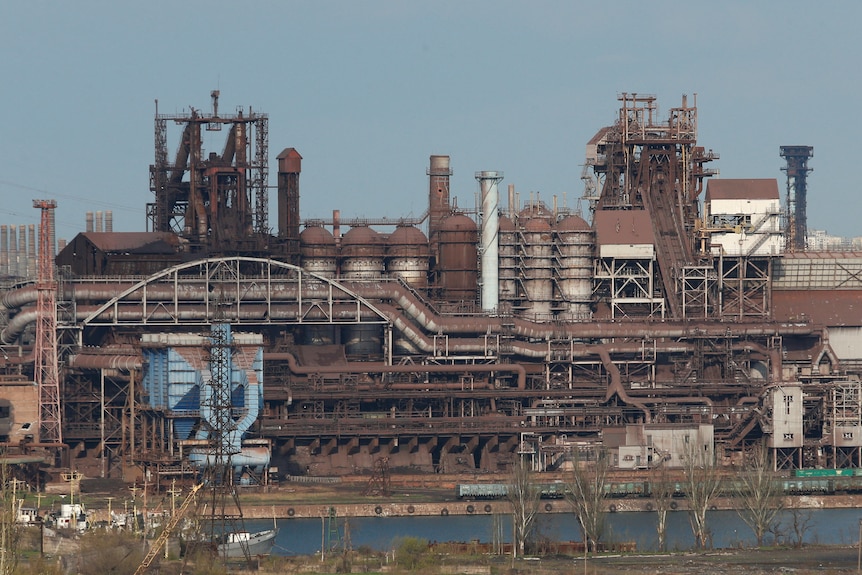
(490, 238)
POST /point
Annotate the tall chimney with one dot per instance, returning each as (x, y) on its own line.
(22, 250)
(4, 250)
(13, 251)
(99, 220)
(438, 194)
(109, 220)
(31, 251)
(89, 217)
(289, 168)
(490, 238)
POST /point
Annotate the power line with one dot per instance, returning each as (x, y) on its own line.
(70, 196)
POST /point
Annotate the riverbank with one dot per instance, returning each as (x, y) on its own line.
(408, 495)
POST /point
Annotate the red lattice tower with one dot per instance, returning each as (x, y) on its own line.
(46, 370)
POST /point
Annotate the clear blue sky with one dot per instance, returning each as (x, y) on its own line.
(367, 91)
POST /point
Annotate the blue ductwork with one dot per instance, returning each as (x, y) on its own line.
(179, 379)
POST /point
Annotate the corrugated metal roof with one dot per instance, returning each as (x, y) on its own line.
(823, 307)
(600, 136)
(623, 227)
(133, 242)
(742, 189)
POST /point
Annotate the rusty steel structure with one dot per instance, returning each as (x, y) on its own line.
(796, 212)
(46, 369)
(218, 201)
(669, 311)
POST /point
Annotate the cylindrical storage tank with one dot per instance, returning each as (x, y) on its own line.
(407, 256)
(318, 253)
(574, 243)
(537, 267)
(317, 335)
(458, 265)
(508, 251)
(362, 254)
(363, 341)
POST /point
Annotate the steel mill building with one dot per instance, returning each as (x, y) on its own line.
(677, 307)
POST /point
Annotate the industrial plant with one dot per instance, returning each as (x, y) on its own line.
(672, 308)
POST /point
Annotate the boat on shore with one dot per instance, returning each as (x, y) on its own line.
(231, 545)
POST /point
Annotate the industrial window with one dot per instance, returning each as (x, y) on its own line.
(788, 400)
(788, 437)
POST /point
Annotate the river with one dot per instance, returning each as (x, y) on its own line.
(304, 536)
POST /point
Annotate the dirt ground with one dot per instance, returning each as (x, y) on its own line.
(811, 559)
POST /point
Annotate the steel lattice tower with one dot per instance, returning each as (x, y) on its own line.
(46, 369)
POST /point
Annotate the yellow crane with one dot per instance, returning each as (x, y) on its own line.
(167, 531)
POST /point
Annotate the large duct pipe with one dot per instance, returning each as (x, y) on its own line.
(118, 362)
(411, 310)
(488, 182)
(361, 367)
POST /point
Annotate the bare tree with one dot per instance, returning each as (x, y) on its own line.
(760, 495)
(800, 523)
(587, 492)
(701, 483)
(523, 494)
(662, 490)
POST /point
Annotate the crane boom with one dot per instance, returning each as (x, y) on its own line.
(166, 532)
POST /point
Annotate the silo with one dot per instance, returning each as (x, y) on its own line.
(508, 252)
(458, 266)
(318, 251)
(362, 257)
(407, 256)
(574, 243)
(363, 341)
(537, 268)
(362, 253)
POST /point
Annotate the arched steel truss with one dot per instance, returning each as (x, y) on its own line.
(241, 290)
